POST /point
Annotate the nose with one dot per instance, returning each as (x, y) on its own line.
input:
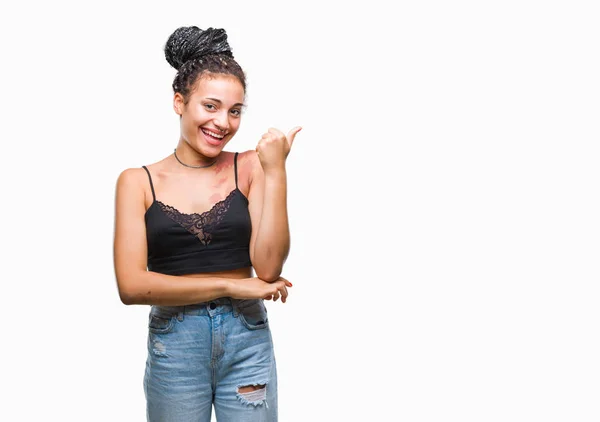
(222, 121)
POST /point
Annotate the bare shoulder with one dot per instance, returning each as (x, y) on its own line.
(131, 177)
(249, 162)
(132, 185)
(250, 156)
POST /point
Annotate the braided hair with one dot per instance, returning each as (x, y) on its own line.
(195, 52)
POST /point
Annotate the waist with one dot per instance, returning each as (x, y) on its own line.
(213, 307)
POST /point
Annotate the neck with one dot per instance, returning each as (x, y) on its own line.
(188, 158)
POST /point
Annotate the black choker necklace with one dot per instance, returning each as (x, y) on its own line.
(187, 165)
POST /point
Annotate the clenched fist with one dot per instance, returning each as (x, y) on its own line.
(274, 147)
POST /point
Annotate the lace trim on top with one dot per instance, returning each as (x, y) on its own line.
(200, 225)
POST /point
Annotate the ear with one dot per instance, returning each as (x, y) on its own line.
(178, 104)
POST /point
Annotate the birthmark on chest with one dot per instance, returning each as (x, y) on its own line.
(220, 182)
(216, 197)
(222, 165)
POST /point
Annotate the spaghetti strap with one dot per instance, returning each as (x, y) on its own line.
(235, 168)
(151, 185)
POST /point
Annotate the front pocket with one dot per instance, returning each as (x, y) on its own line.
(254, 315)
(160, 324)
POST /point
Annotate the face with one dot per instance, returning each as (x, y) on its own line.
(213, 113)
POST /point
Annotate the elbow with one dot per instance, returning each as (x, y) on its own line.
(268, 277)
(128, 293)
(127, 297)
(135, 298)
(268, 266)
(268, 274)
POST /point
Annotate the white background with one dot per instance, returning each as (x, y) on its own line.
(443, 198)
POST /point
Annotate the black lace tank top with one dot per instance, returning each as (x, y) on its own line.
(216, 240)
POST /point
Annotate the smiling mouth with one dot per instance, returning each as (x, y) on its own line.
(216, 136)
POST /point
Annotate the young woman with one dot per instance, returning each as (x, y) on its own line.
(191, 230)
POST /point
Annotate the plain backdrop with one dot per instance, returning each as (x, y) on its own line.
(443, 202)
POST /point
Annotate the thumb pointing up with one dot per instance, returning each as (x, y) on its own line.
(292, 134)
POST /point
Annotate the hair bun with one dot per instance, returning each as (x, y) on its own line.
(190, 42)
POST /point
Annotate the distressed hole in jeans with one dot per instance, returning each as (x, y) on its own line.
(253, 394)
(159, 349)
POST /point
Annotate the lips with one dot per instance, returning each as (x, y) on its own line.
(212, 137)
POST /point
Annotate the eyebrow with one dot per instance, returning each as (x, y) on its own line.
(221, 102)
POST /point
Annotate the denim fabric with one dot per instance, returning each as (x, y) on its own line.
(199, 355)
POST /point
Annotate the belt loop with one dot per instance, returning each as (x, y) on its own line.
(180, 313)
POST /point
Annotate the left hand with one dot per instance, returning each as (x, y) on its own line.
(274, 147)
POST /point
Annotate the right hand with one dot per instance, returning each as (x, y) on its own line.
(256, 288)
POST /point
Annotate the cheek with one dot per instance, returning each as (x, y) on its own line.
(197, 115)
(191, 126)
(234, 124)
(193, 122)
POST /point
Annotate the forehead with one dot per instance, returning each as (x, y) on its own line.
(226, 88)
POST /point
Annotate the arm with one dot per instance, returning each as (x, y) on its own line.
(136, 285)
(270, 240)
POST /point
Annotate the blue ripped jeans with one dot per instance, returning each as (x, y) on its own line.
(200, 355)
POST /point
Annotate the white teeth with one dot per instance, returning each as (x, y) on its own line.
(216, 135)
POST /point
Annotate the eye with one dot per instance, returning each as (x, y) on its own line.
(236, 112)
(210, 107)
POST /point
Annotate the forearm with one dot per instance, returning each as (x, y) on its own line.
(272, 243)
(150, 288)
